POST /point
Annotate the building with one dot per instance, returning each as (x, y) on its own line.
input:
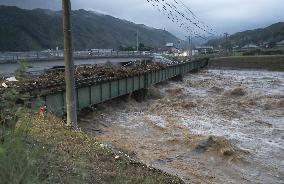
(171, 48)
(204, 49)
(170, 45)
(249, 47)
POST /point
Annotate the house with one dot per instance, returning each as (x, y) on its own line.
(171, 48)
(249, 47)
(204, 49)
(170, 45)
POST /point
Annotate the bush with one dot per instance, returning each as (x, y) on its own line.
(8, 110)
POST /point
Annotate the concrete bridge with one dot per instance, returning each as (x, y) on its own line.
(13, 57)
(40, 61)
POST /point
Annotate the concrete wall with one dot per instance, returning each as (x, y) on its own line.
(272, 63)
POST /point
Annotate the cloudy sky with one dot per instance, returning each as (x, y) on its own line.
(222, 15)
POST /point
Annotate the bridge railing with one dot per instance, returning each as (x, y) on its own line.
(46, 55)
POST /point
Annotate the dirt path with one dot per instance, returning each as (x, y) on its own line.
(214, 127)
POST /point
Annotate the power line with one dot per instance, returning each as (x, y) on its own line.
(189, 24)
(195, 17)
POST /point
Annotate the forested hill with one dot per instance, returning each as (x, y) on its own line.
(273, 33)
(38, 29)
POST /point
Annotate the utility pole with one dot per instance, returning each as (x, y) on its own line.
(190, 45)
(189, 40)
(226, 44)
(137, 41)
(164, 38)
(71, 100)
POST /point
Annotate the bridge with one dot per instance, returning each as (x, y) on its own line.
(12, 57)
(92, 91)
(40, 61)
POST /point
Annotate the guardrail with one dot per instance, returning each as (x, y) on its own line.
(101, 91)
(58, 55)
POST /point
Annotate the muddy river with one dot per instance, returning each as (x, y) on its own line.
(215, 126)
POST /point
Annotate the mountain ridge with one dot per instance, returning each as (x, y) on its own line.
(272, 33)
(39, 29)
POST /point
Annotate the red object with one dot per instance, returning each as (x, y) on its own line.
(42, 109)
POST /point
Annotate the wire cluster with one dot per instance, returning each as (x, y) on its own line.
(181, 15)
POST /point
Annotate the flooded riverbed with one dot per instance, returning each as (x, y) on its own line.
(216, 126)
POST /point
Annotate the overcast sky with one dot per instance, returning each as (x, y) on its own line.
(223, 15)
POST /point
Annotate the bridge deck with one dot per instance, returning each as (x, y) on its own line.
(14, 57)
(107, 90)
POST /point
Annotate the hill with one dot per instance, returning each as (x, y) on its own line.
(38, 29)
(273, 33)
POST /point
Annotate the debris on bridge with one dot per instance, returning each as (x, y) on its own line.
(86, 74)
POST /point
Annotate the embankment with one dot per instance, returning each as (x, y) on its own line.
(271, 63)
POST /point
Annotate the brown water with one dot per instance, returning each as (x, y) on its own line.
(214, 127)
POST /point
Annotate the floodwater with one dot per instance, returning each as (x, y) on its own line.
(216, 126)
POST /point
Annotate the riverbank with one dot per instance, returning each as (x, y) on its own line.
(52, 153)
(269, 63)
(217, 126)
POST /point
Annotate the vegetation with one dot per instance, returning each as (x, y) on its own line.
(264, 52)
(17, 160)
(25, 30)
(270, 35)
(269, 63)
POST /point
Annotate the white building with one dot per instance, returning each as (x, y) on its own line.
(204, 49)
(249, 47)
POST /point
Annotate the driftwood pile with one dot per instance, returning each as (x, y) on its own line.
(85, 75)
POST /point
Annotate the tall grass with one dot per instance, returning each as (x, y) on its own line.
(17, 157)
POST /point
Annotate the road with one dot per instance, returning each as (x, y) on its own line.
(8, 69)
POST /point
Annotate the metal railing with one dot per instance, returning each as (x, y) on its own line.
(57, 55)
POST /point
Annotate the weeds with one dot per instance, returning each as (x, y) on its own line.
(17, 157)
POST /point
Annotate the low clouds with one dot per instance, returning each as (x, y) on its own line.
(223, 15)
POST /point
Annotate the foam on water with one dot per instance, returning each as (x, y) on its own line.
(252, 120)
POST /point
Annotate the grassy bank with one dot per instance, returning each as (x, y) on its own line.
(271, 63)
(45, 151)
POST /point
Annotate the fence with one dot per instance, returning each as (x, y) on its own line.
(58, 55)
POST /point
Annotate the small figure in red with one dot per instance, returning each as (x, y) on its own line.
(42, 111)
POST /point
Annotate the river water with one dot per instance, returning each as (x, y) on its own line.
(216, 126)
